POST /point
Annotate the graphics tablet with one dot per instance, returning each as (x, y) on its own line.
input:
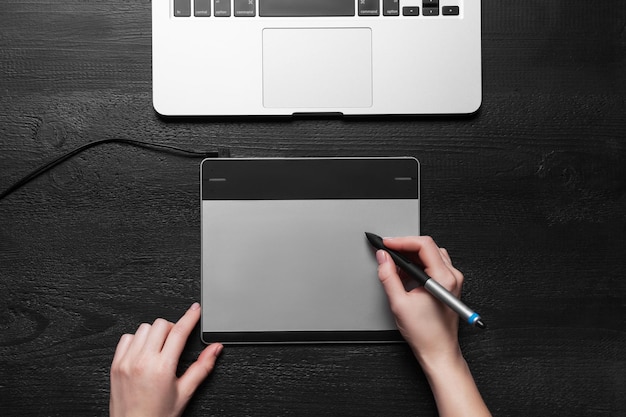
(284, 254)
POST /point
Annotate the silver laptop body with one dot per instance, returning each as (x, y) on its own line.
(285, 57)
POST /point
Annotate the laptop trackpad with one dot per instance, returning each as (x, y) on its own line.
(317, 68)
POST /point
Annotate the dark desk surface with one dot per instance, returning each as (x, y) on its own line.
(529, 197)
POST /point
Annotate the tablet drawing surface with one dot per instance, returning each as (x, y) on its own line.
(284, 255)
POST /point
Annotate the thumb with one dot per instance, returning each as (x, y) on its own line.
(388, 275)
(199, 370)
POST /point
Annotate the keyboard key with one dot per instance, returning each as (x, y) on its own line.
(391, 8)
(430, 3)
(430, 11)
(450, 10)
(410, 11)
(369, 7)
(202, 8)
(245, 8)
(303, 8)
(222, 8)
(182, 8)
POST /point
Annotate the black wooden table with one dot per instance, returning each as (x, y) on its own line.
(528, 196)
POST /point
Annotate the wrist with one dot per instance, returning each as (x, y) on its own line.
(443, 361)
(453, 386)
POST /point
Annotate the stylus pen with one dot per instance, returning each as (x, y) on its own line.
(430, 284)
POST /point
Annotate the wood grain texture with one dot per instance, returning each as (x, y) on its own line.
(528, 195)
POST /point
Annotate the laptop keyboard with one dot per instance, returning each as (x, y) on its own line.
(311, 8)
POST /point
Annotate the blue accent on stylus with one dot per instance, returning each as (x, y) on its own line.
(473, 318)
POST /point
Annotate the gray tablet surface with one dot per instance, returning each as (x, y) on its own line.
(284, 254)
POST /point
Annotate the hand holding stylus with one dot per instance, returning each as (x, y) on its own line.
(429, 326)
(431, 285)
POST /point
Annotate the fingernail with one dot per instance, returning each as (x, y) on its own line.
(218, 350)
(381, 256)
(194, 306)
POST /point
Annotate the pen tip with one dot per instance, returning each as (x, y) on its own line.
(375, 240)
(479, 323)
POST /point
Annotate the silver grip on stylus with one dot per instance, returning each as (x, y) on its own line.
(446, 297)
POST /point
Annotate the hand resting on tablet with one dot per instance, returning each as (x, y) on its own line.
(143, 372)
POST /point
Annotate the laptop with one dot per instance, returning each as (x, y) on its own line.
(285, 258)
(339, 57)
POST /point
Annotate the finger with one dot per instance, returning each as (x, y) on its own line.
(446, 256)
(139, 339)
(199, 370)
(431, 257)
(424, 246)
(157, 335)
(458, 275)
(180, 332)
(388, 275)
(414, 244)
(122, 348)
